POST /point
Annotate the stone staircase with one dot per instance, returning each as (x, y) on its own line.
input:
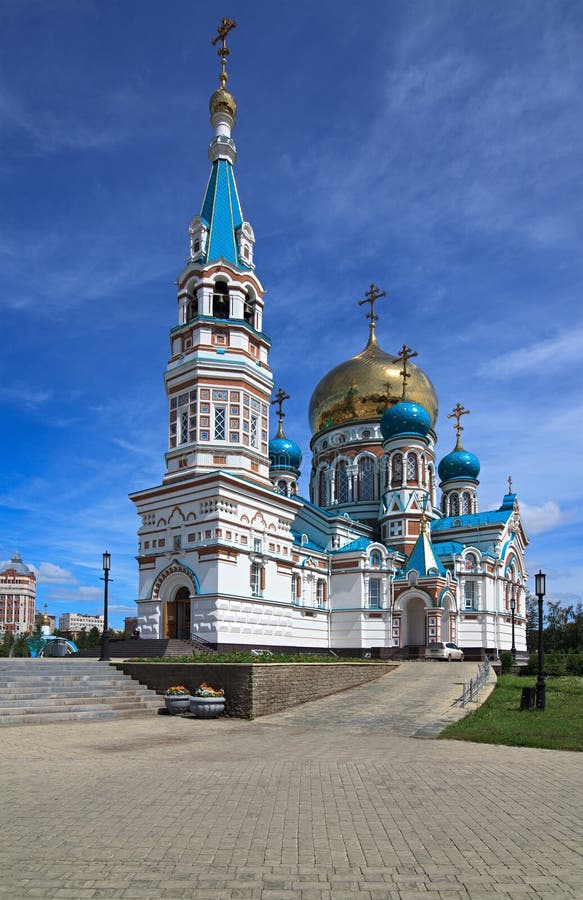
(38, 691)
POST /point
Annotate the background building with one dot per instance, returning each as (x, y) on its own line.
(74, 623)
(17, 597)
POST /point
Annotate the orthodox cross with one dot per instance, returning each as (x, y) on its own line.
(510, 484)
(223, 51)
(372, 295)
(279, 399)
(405, 354)
(457, 412)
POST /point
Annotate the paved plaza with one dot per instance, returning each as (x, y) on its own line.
(334, 799)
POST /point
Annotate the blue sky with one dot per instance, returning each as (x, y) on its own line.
(434, 148)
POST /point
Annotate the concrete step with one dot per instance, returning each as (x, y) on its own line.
(68, 716)
(73, 697)
(34, 691)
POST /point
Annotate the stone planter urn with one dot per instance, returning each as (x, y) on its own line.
(207, 707)
(177, 704)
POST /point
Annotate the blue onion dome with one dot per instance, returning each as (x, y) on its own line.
(283, 453)
(405, 417)
(459, 463)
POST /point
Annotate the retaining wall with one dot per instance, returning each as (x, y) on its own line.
(261, 688)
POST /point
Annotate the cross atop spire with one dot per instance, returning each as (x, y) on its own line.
(405, 354)
(510, 484)
(278, 400)
(372, 295)
(223, 51)
(457, 412)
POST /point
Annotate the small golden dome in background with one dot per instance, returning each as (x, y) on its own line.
(223, 101)
(46, 620)
(359, 389)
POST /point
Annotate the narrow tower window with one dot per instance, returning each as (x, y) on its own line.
(221, 301)
(323, 488)
(411, 467)
(341, 483)
(220, 415)
(454, 505)
(366, 479)
(397, 470)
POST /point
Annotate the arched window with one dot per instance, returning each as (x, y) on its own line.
(465, 503)
(341, 482)
(282, 487)
(249, 309)
(454, 505)
(221, 300)
(430, 485)
(323, 487)
(397, 464)
(192, 309)
(366, 486)
(444, 505)
(411, 467)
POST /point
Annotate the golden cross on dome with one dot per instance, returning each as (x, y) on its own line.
(223, 51)
(510, 484)
(279, 399)
(457, 412)
(405, 354)
(372, 295)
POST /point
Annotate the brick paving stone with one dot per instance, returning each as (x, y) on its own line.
(319, 803)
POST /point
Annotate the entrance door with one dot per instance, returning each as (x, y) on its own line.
(182, 603)
(414, 624)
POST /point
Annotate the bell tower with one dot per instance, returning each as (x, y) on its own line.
(218, 381)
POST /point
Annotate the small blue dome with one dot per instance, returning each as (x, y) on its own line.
(405, 417)
(459, 464)
(284, 454)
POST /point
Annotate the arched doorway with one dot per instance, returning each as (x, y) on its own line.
(178, 615)
(414, 622)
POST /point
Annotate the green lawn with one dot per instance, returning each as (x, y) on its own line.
(500, 721)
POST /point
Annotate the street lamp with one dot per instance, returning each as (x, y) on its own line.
(105, 636)
(512, 610)
(540, 591)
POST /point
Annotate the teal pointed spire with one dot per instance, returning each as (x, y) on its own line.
(220, 231)
(423, 558)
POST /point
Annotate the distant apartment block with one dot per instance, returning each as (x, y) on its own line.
(76, 622)
(17, 597)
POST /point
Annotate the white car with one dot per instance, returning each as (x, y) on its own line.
(439, 650)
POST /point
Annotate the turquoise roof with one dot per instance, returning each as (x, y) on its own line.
(448, 548)
(423, 558)
(359, 544)
(307, 545)
(405, 418)
(222, 215)
(284, 454)
(473, 520)
(460, 464)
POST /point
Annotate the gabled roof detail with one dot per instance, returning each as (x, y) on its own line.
(472, 520)
(359, 544)
(423, 558)
(221, 214)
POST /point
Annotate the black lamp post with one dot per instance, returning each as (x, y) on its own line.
(513, 610)
(540, 591)
(105, 636)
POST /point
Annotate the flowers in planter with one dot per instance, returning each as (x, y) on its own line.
(177, 690)
(205, 690)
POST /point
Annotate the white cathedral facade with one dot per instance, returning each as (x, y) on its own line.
(390, 552)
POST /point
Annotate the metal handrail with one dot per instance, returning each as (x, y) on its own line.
(472, 688)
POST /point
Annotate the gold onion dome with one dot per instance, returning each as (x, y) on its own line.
(223, 101)
(362, 387)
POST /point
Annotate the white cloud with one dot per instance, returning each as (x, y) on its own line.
(49, 573)
(554, 353)
(541, 518)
